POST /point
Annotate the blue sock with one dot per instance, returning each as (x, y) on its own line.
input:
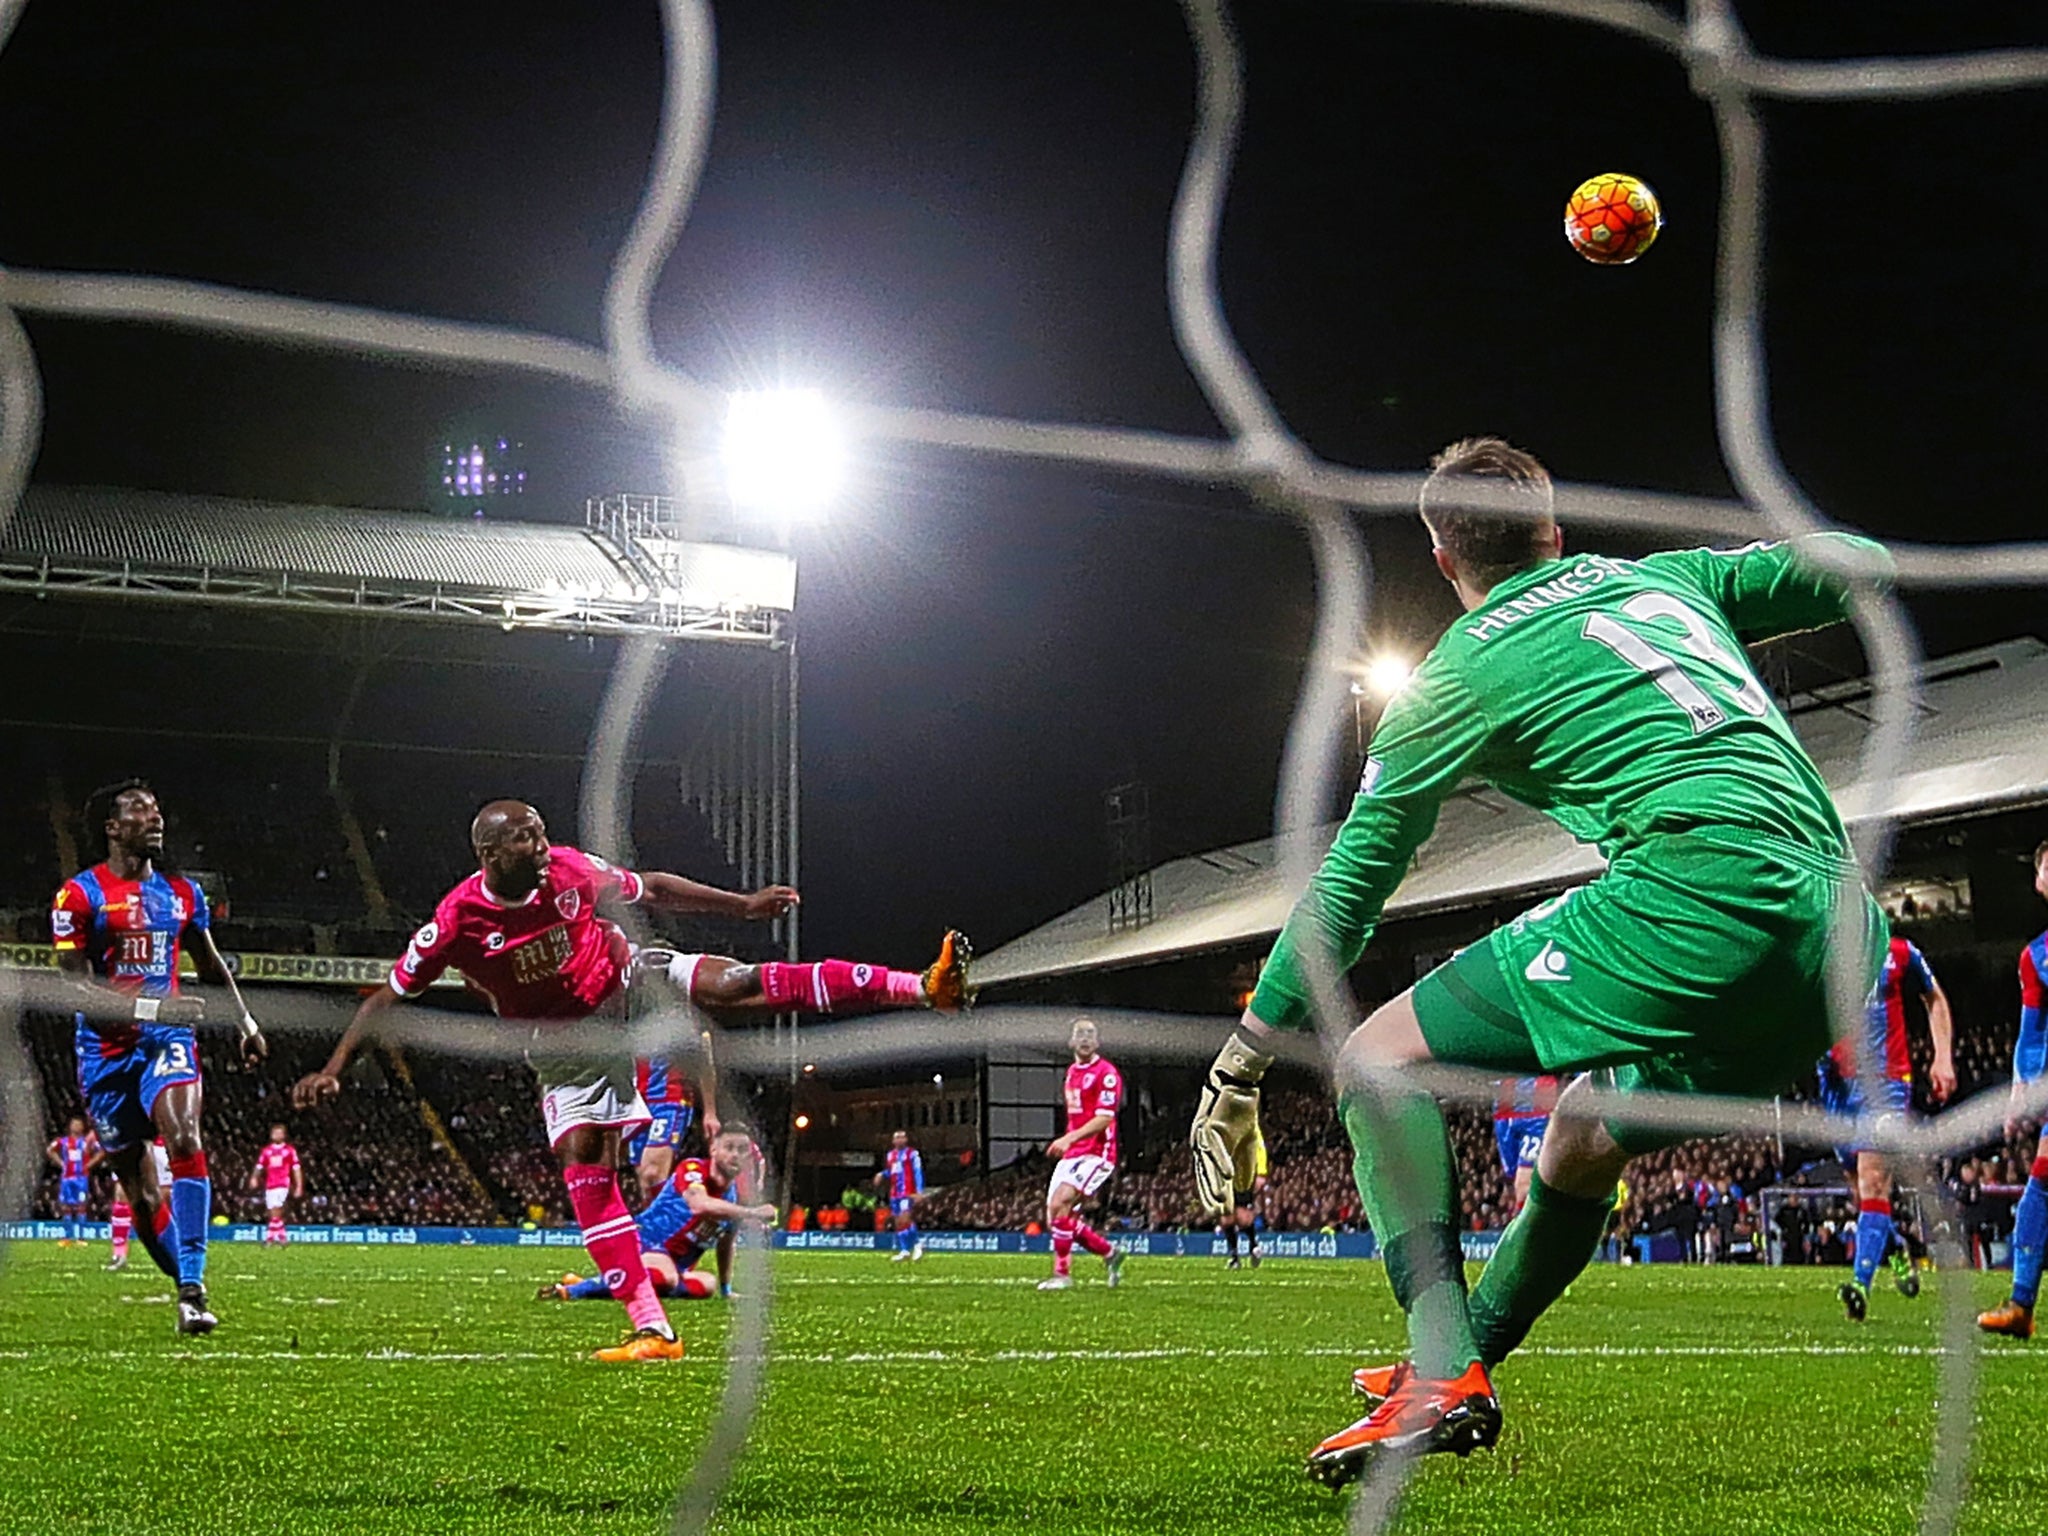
(1873, 1237)
(905, 1236)
(593, 1289)
(2029, 1228)
(191, 1208)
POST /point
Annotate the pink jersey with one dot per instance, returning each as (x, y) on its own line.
(279, 1161)
(548, 957)
(1094, 1088)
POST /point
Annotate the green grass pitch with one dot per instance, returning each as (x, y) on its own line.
(409, 1390)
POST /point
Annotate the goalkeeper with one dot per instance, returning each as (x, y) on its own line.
(1614, 696)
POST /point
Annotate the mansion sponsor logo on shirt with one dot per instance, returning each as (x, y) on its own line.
(542, 957)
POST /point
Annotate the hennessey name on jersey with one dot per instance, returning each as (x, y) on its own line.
(1576, 582)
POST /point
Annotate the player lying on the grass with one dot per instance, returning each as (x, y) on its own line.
(75, 1153)
(695, 1213)
(1085, 1158)
(902, 1181)
(118, 929)
(2015, 1315)
(1890, 1059)
(1614, 696)
(525, 932)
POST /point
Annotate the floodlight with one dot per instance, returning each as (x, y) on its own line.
(1386, 676)
(784, 454)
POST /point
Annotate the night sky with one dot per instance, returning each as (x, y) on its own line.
(953, 205)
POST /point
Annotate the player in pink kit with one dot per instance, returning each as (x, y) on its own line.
(1087, 1157)
(525, 932)
(277, 1166)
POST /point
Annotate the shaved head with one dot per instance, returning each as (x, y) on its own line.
(511, 843)
(491, 821)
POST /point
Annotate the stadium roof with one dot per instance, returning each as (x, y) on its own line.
(1978, 747)
(148, 544)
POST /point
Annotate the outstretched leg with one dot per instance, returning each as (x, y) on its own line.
(824, 986)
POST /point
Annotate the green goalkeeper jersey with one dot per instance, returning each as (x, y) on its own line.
(1612, 695)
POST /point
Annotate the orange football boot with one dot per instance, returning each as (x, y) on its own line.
(1421, 1418)
(643, 1347)
(945, 979)
(1380, 1382)
(2008, 1318)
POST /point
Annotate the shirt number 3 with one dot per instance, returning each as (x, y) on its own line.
(1696, 639)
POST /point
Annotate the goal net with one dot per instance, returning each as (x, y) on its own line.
(1257, 452)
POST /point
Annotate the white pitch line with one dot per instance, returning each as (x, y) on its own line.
(1092, 1356)
(371, 1357)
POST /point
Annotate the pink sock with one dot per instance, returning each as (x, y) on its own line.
(831, 984)
(613, 1242)
(1091, 1239)
(1063, 1247)
(122, 1217)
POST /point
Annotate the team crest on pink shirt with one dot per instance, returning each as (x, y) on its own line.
(569, 903)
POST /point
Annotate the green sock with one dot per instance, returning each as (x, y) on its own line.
(1407, 1179)
(1552, 1238)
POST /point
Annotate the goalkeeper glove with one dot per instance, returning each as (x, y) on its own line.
(1226, 1126)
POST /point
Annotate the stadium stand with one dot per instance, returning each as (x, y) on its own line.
(345, 851)
(375, 1161)
(431, 1139)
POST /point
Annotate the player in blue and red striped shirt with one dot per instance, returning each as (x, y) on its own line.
(902, 1180)
(672, 1099)
(1887, 1057)
(118, 929)
(695, 1213)
(2015, 1315)
(1521, 1115)
(74, 1153)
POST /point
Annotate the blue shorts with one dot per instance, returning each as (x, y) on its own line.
(1519, 1141)
(670, 1125)
(1843, 1095)
(72, 1191)
(902, 1205)
(121, 1090)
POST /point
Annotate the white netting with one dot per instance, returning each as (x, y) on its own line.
(1258, 453)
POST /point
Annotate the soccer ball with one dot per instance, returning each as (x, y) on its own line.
(1612, 218)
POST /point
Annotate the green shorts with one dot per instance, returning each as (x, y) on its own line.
(1697, 964)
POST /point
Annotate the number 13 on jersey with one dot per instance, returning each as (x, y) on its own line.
(1729, 671)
